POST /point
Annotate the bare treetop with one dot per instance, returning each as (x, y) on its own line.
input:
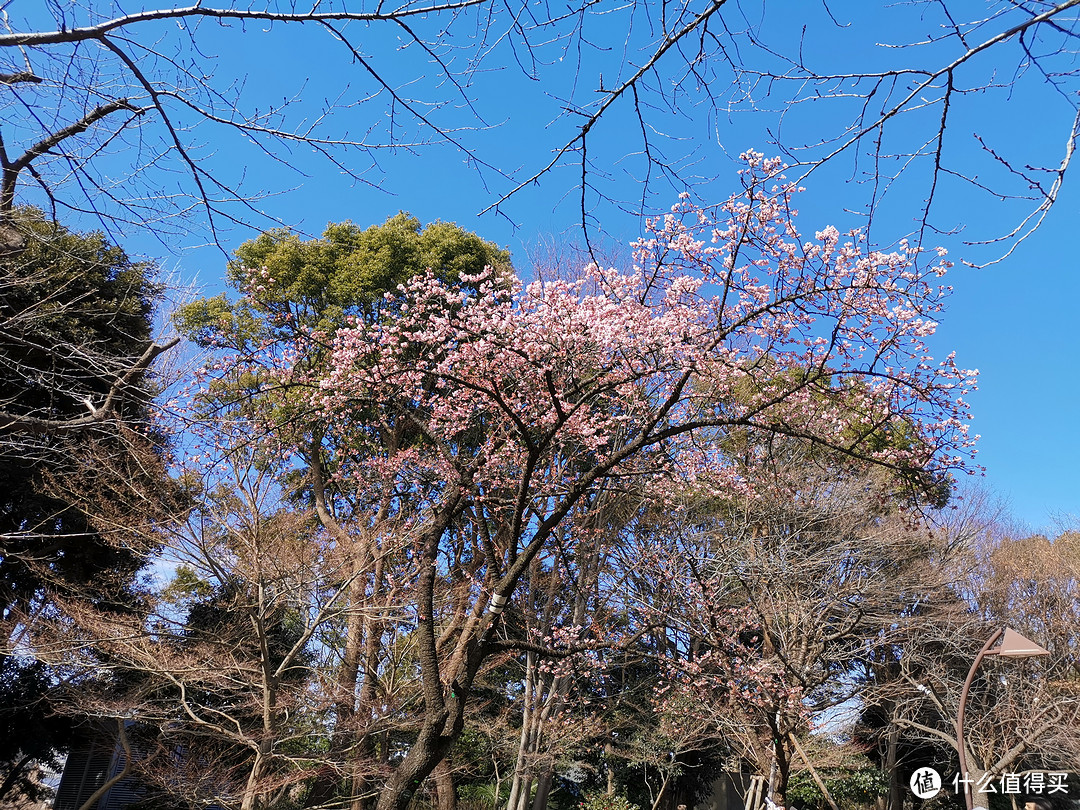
(138, 118)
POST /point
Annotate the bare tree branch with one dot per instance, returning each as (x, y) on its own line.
(98, 31)
(16, 423)
(11, 169)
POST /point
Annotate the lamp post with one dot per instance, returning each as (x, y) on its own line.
(1013, 645)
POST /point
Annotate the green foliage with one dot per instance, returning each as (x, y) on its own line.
(187, 585)
(290, 286)
(482, 796)
(68, 290)
(75, 314)
(849, 787)
(595, 800)
(211, 320)
(317, 283)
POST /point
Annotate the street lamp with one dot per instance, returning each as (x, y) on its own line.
(1013, 645)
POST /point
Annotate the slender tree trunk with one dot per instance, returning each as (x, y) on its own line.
(559, 688)
(444, 786)
(521, 799)
(349, 673)
(363, 748)
(443, 707)
(349, 741)
(543, 789)
(896, 796)
(663, 791)
(516, 785)
(779, 771)
(107, 786)
(774, 769)
(251, 789)
(976, 774)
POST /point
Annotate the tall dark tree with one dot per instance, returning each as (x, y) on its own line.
(76, 452)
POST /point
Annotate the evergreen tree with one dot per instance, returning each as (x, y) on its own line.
(75, 320)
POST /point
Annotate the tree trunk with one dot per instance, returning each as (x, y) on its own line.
(344, 736)
(663, 791)
(517, 786)
(976, 775)
(896, 795)
(543, 789)
(424, 755)
(779, 772)
(520, 799)
(813, 772)
(444, 786)
(444, 716)
(364, 746)
(559, 688)
(251, 789)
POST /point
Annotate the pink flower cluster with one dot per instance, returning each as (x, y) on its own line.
(729, 319)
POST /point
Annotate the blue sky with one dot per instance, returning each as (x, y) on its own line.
(1014, 321)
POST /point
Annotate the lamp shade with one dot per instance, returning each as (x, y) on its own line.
(1015, 645)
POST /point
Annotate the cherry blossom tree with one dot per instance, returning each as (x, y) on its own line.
(305, 285)
(515, 404)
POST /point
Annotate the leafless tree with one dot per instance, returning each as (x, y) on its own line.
(1022, 714)
(225, 658)
(118, 116)
(772, 604)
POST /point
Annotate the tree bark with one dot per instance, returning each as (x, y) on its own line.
(251, 789)
(444, 786)
(543, 789)
(424, 755)
(896, 796)
(517, 787)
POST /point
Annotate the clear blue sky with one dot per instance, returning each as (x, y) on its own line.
(1014, 321)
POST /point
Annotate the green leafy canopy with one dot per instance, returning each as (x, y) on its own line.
(318, 282)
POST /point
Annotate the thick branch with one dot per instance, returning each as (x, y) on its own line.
(11, 170)
(22, 77)
(36, 38)
(18, 423)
